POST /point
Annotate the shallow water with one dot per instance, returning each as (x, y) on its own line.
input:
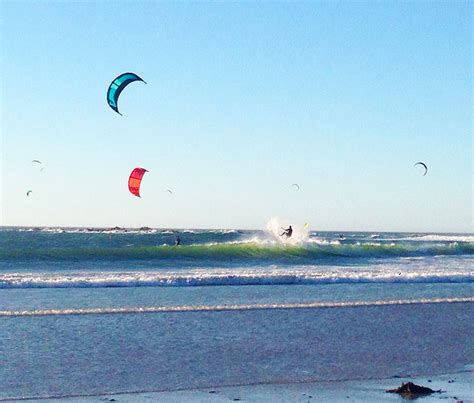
(94, 354)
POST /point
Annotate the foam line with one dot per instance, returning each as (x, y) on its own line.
(220, 308)
(228, 277)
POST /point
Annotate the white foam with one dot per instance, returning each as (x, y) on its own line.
(276, 226)
(320, 241)
(416, 272)
(440, 238)
(224, 231)
(53, 230)
(236, 307)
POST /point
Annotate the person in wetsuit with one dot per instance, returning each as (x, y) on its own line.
(287, 232)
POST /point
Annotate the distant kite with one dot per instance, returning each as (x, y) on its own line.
(135, 180)
(38, 162)
(169, 191)
(424, 165)
(117, 86)
(297, 187)
(28, 193)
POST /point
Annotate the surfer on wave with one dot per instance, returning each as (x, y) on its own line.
(287, 232)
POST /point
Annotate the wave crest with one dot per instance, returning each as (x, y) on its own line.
(264, 251)
(229, 277)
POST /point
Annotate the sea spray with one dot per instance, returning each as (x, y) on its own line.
(276, 226)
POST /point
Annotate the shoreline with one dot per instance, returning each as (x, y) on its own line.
(455, 385)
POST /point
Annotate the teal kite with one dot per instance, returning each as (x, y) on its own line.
(117, 86)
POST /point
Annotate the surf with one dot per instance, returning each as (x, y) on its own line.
(303, 275)
(255, 250)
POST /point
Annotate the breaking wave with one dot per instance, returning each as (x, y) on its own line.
(231, 277)
(308, 252)
(440, 238)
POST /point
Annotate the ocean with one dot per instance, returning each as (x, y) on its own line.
(91, 311)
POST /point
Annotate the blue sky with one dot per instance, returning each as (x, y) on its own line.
(241, 101)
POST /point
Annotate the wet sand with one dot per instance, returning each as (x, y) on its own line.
(456, 387)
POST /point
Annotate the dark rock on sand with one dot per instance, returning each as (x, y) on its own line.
(411, 390)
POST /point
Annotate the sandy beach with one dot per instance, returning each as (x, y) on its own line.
(455, 387)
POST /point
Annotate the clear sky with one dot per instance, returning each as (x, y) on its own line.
(242, 100)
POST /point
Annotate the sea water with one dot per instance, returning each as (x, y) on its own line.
(91, 311)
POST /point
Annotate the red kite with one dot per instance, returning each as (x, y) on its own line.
(135, 180)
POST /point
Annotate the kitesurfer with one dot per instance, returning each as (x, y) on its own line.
(287, 232)
(177, 242)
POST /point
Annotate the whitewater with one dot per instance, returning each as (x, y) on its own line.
(226, 267)
(109, 310)
(79, 257)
